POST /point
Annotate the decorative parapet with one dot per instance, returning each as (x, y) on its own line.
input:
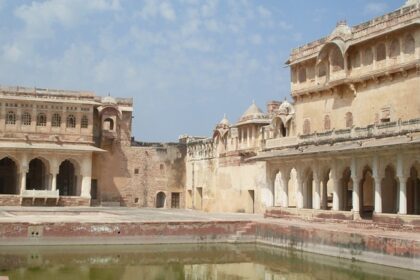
(342, 135)
(41, 93)
(200, 149)
(403, 16)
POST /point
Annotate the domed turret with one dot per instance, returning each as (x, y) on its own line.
(253, 115)
(341, 30)
(108, 100)
(224, 123)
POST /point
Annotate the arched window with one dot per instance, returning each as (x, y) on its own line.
(11, 118)
(349, 120)
(56, 120)
(380, 52)
(41, 119)
(394, 49)
(322, 70)
(327, 122)
(409, 45)
(26, 118)
(306, 126)
(71, 121)
(84, 122)
(337, 60)
(302, 75)
(355, 60)
(367, 57)
(108, 124)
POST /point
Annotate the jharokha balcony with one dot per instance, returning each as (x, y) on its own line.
(379, 132)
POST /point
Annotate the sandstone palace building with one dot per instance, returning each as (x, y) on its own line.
(346, 144)
(74, 148)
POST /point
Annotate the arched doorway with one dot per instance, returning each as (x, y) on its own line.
(389, 191)
(66, 179)
(279, 128)
(8, 176)
(37, 177)
(413, 192)
(346, 191)
(160, 200)
(367, 194)
(308, 189)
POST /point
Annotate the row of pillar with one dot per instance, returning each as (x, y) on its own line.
(319, 199)
(248, 136)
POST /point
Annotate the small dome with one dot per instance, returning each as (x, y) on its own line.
(251, 111)
(108, 100)
(342, 29)
(411, 3)
(253, 114)
(224, 121)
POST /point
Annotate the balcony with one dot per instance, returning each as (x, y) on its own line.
(342, 135)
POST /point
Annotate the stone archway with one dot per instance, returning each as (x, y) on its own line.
(413, 192)
(308, 189)
(37, 176)
(367, 196)
(346, 191)
(8, 176)
(66, 179)
(389, 191)
(160, 200)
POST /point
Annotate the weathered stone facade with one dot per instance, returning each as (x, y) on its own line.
(71, 148)
(354, 118)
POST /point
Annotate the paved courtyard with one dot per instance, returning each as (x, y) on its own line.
(114, 215)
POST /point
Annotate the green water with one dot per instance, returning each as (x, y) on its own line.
(216, 262)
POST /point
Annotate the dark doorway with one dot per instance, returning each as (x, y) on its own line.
(251, 201)
(413, 193)
(346, 191)
(36, 179)
(94, 189)
(66, 179)
(367, 194)
(160, 200)
(8, 177)
(175, 198)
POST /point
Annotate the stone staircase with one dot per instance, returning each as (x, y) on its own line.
(245, 234)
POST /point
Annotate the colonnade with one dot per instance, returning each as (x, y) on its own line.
(388, 184)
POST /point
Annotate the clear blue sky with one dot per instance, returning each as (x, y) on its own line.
(185, 62)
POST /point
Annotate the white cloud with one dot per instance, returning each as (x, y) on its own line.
(265, 13)
(167, 11)
(256, 39)
(153, 9)
(41, 17)
(12, 53)
(376, 8)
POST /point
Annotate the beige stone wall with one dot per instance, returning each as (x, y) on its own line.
(133, 175)
(399, 95)
(231, 188)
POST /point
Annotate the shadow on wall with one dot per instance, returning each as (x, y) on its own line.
(113, 173)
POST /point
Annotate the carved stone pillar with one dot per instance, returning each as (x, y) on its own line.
(403, 195)
(299, 193)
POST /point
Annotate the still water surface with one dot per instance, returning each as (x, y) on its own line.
(218, 262)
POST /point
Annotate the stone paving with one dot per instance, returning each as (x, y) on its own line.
(114, 215)
(37, 215)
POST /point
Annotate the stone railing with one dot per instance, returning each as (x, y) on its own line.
(46, 93)
(402, 15)
(41, 195)
(355, 133)
(281, 142)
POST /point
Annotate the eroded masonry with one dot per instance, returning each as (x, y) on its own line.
(347, 145)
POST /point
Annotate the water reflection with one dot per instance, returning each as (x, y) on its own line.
(191, 262)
